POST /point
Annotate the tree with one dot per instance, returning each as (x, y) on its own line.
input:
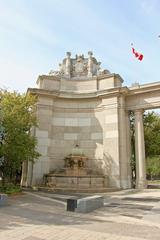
(153, 167)
(17, 143)
(152, 134)
(152, 143)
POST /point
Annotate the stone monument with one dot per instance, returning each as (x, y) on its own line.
(83, 104)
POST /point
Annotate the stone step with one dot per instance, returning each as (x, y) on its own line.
(76, 190)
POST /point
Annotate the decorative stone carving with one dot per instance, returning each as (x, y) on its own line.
(79, 67)
(54, 73)
(68, 65)
(90, 64)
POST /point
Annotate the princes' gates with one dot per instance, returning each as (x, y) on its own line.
(85, 105)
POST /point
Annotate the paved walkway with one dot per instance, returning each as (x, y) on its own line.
(127, 215)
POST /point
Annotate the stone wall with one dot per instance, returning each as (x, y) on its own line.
(85, 105)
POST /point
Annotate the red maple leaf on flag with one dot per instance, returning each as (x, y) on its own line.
(138, 55)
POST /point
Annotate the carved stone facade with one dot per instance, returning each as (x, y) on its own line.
(79, 67)
(82, 104)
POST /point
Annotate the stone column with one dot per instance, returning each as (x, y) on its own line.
(140, 150)
(128, 141)
(123, 144)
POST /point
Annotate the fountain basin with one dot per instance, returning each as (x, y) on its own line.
(76, 181)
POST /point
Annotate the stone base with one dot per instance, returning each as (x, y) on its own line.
(141, 184)
(76, 182)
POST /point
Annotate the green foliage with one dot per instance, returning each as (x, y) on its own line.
(152, 134)
(153, 167)
(17, 119)
(152, 142)
(10, 189)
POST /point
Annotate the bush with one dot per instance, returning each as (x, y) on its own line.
(10, 189)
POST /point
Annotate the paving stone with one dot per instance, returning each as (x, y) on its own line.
(31, 217)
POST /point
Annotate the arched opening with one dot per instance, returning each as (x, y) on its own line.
(149, 136)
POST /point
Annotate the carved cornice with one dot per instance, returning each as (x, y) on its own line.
(74, 95)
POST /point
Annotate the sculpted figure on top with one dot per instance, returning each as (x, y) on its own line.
(79, 67)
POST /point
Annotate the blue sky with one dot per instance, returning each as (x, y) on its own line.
(36, 34)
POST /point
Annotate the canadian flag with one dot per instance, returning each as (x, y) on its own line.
(138, 55)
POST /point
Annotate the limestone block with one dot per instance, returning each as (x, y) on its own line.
(57, 129)
(44, 119)
(45, 101)
(89, 105)
(66, 104)
(59, 136)
(43, 150)
(41, 133)
(110, 111)
(43, 141)
(50, 84)
(44, 126)
(56, 164)
(71, 129)
(84, 136)
(110, 102)
(106, 83)
(71, 122)
(84, 122)
(111, 134)
(59, 113)
(45, 167)
(44, 111)
(111, 118)
(87, 144)
(97, 135)
(70, 136)
(37, 168)
(85, 129)
(58, 121)
(111, 127)
(84, 115)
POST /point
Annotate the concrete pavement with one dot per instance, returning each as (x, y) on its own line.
(127, 215)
